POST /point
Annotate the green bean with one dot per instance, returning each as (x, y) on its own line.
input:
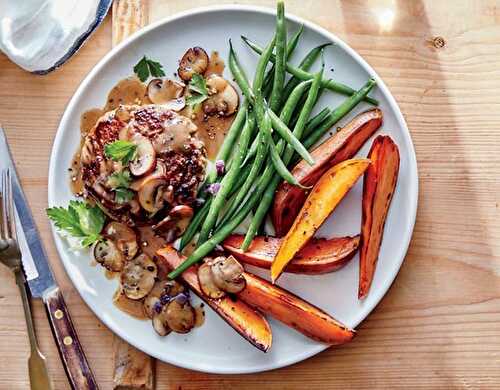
(239, 74)
(286, 112)
(339, 113)
(280, 166)
(297, 92)
(194, 224)
(261, 68)
(316, 121)
(228, 181)
(290, 48)
(303, 75)
(279, 72)
(288, 136)
(229, 139)
(278, 125)
(217, 238)
(250, 180)
(201, 214)
(305, 64)
(267, 198)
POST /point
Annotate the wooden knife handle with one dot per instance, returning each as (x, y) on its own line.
(77, 369)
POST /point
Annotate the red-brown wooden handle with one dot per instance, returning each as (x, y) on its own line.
(77, 369)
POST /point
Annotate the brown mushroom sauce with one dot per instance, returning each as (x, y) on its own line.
(128, 251)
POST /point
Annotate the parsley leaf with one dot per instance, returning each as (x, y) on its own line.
(121, 150)
(79, 220)
(199, 87)
(146, 67)
(198, 84)
(123, 195)
(119, 179)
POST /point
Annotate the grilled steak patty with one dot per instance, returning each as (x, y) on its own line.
(166, 170)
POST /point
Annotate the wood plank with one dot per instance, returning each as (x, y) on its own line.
(133, 369)
(439, 325)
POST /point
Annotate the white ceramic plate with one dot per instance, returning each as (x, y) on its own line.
(216, 347)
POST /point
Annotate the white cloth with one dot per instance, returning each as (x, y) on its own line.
(41, 35)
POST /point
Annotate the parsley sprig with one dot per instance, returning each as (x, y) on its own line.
(79, 220)
(121, 150)
(120, 182)
(198, 88)
(147, 67)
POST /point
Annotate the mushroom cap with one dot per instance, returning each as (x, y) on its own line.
(138, 277)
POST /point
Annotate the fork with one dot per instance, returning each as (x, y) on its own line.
(10, 255)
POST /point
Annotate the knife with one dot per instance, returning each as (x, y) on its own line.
(42, 285)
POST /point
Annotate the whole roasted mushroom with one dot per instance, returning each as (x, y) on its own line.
(195, 60)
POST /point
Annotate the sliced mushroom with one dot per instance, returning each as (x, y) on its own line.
(173, 288)
(108, 255)
(124, 238)
(145, 156)
(138, 277)
(168, 288)
(195, 60)
(160, 324)
(178, 217)
(159, 171)
(151, 194)
(149, 304)
(87, 154)
(180, 315)
(228, 274)
(161, 91)
(223, 98)
(207, 283)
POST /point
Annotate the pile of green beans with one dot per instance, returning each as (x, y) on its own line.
(257, 161)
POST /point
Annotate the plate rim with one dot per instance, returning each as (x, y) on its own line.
(413, 167)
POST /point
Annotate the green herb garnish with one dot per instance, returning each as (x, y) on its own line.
(120, 150)
(80, 220)
(119, 179)
(147, 67)
(123, 195)
(198, 89)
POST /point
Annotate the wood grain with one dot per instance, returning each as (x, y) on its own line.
(439, 325)
(133, 369)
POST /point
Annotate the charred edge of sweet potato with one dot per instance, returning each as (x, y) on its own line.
(319, 256)
(225, 307)
(379, 185)
(293, 311)
(343, 145)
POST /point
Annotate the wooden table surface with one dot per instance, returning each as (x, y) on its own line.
(439, 325)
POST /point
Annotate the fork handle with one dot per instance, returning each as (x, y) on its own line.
(75, 363)
(37, 365)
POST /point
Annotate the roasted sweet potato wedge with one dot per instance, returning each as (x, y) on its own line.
(248, 322)
(318, 256)
(378, 187)
(320, 203)
(343, 145)
(294, 311)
